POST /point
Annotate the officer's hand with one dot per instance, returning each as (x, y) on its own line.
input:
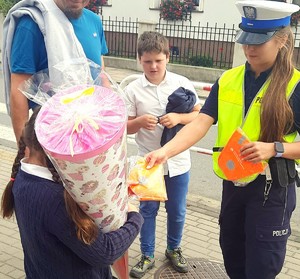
(156, 157)
(257, 151)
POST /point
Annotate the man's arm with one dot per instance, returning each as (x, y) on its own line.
(102, 63)
(18, 104)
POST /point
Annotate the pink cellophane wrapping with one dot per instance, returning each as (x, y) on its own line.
(86, 141)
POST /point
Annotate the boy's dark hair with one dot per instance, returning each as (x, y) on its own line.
(151, 41)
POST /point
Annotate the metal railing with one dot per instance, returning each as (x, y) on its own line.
(121, 37)
(198, 45)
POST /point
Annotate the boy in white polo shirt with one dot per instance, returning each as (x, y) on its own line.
(147, 99)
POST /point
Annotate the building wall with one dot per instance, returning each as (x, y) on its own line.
(214, 11)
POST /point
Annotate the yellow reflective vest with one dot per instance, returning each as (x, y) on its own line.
(231, 110)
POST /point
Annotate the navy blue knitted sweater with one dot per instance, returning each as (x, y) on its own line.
(48, 236)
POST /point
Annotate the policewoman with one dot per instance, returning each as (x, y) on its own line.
(263, 98)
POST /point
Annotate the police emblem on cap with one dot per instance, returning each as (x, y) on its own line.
(250, 12)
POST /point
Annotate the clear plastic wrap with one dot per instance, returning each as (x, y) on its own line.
(44, 84)
(81, 119)
(82, 128)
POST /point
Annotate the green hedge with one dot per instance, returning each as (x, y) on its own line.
(204, 61)
(5, 5)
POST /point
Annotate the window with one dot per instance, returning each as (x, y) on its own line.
(199, 5)
(154, 4)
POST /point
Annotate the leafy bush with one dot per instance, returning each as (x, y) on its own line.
(204, 61)
(93, 5)
(175, 9)
(295, 18)
(5, 5)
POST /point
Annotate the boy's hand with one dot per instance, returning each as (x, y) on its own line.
(169, 120)
(148, 121)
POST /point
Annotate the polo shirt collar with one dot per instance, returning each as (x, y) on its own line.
(146, 82)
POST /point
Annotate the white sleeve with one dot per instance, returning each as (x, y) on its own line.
(130, 101)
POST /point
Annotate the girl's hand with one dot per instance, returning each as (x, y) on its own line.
(132, 208)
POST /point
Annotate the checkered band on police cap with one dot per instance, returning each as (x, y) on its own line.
(261, 19)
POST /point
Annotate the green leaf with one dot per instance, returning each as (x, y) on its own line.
(6, 5)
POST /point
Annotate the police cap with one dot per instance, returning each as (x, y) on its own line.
(261, 19)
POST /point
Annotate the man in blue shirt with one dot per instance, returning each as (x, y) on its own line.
(30, 53)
